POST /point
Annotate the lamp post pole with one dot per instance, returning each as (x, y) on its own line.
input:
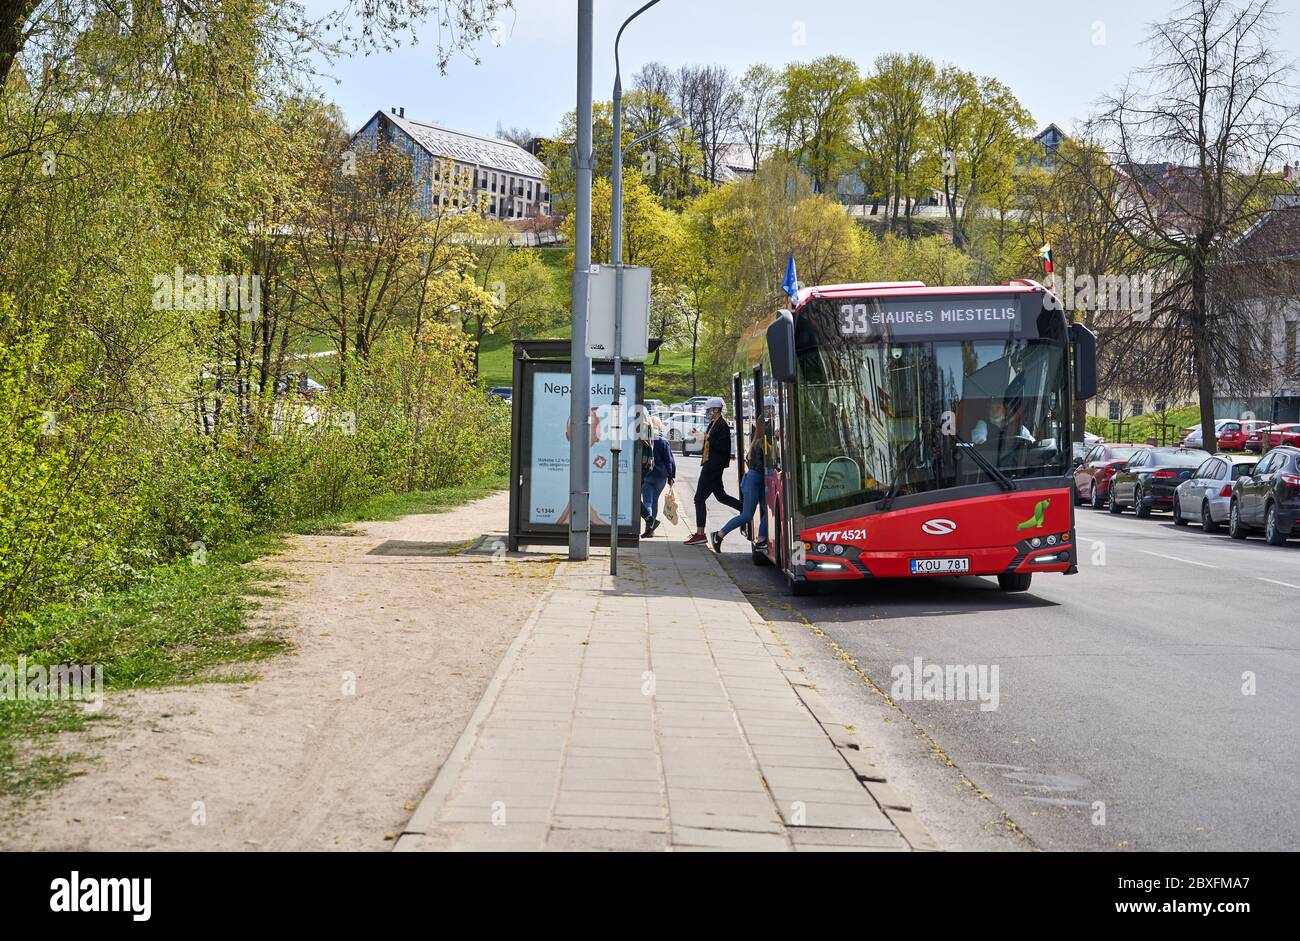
(616, 424)
(579, 359)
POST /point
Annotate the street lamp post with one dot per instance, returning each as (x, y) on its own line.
(579, 358)
(616, 424)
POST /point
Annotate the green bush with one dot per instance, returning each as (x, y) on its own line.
(92, 501)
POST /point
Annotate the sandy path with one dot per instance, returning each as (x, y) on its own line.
(295, 759)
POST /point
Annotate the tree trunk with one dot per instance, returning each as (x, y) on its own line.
(695, 345)
(1204, 365)
(958, 236)
(13, 17)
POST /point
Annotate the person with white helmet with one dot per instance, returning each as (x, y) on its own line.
(715, 459)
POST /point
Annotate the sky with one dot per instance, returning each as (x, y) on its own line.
(1057, 57)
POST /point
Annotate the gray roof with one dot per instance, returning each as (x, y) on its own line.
(490, 152)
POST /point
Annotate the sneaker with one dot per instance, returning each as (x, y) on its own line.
(649, 528)
(716, 539)
(761, 545)
(653, 527)
(695, 539)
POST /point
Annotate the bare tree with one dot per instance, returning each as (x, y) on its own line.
(522, 136)
(710, 101)
(1196, 136)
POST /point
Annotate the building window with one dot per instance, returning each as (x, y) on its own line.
(1114, 410)
(1292, 355)
(1137, 407)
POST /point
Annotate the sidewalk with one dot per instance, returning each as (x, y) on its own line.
(650, 712)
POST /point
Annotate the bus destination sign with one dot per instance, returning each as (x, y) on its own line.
(902, 318)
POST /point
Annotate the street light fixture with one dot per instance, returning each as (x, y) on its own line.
(616, 258)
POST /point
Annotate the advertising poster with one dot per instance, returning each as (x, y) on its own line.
(548, 497)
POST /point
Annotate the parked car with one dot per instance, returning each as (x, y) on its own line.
(1234, 434)
(654, 406)
(1276, 435)
(686, 430)
(1268, 498)
(1207, 494)
(1255, 440)
(1093, 472)
(1148, 479)
(1193, 439)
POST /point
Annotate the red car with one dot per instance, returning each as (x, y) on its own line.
(1282, 434)
(1255, 440)
(1093, 471)
(1233, 435)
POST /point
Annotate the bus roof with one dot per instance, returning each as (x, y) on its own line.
(910, 289)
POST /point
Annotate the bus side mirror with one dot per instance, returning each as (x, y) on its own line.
(780, 346)
(1084, 342)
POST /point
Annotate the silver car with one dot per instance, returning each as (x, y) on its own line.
(1207, 494)
(685, 430)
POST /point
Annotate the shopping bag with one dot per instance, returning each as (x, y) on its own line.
(670, 506)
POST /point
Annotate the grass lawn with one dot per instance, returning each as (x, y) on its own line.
(1143, 426)
(173, 627)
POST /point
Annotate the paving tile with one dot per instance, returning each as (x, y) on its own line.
(724, 755)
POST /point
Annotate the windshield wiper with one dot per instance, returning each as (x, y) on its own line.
(1003, 481)
(905, 460)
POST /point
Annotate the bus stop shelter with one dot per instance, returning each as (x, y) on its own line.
(539, 448)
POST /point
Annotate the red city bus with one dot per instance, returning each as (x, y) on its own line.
(912, 431)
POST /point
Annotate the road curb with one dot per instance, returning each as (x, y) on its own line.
(426, 812)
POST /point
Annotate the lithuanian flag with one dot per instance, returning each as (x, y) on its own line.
(1045, 253)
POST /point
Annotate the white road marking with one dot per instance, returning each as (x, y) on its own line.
(1161, 555)
(1274, 581)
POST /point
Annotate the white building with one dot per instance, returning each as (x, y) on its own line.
(455, 169)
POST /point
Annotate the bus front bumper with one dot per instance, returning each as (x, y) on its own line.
(1001, 560)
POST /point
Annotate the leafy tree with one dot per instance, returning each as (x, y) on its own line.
(760, 88)
(512, 290)
(814, 116)
(893, 102)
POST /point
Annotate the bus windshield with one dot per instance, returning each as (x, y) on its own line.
(922, 414)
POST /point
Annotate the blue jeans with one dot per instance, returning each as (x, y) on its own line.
(751, 494)
(652, 485)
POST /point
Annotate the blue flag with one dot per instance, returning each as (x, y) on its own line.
(791, 282)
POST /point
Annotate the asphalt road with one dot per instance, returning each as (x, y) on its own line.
(1126, 717)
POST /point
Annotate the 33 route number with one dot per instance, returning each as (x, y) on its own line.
(856, 319)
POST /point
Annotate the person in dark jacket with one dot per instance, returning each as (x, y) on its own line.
(658, 469)
(714, 460)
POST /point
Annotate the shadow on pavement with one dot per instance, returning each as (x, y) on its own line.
(880, 599)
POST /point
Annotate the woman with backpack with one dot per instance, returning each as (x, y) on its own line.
(658, 470)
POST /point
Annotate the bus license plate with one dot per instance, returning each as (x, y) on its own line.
(940, 566)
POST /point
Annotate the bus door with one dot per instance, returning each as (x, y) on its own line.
(741, 416)
(761, 412)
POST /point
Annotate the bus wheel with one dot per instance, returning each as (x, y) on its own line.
(1015, 581)
(799, 587)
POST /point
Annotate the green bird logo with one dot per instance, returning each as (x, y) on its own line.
(1035, 521)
